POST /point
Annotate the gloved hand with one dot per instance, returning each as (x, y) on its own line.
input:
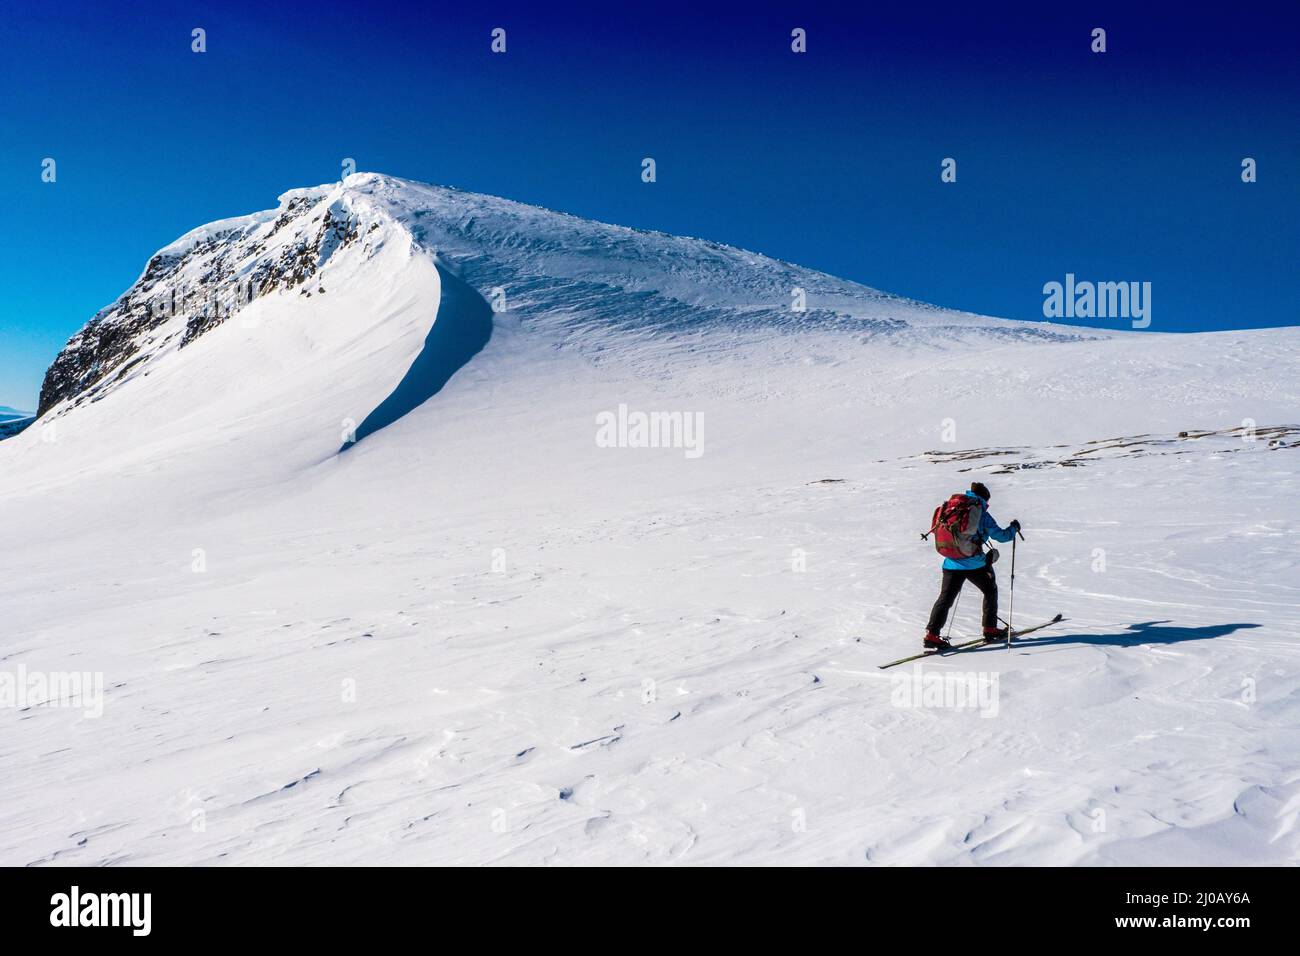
(1015, 525)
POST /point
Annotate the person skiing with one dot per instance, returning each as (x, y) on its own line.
(965, 560)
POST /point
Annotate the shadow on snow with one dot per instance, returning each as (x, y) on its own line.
(1148, 632)
(460, 330)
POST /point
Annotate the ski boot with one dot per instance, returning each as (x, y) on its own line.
(935, 642)
(992, 634)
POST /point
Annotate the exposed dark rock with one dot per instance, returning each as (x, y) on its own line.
(204, 285)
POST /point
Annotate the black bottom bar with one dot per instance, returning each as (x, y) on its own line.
(332, 907)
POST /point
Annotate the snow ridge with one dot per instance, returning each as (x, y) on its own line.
(580, 280)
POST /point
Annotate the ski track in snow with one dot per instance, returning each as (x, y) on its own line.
(646, 679)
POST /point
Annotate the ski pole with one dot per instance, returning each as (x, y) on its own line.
(1011, 599)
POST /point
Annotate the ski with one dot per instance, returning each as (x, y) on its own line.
(917, 657)
(1026, 630)
(977, 641)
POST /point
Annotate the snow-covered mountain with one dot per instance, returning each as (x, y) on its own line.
(12, 421)
(582, 281)
(325, 500)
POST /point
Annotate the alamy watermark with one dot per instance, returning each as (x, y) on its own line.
(25, 688)
(1098, 300)
(634, 429)
(130, 910)
(219, 302)
(968, 690)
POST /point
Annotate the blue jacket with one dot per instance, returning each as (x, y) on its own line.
(988, 529)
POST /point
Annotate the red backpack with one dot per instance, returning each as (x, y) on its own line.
(956, 525)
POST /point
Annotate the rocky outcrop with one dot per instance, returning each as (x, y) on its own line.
(193, 286)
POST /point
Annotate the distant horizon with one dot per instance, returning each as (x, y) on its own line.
(1115, 167)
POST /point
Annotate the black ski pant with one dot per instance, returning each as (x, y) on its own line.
(983, 578)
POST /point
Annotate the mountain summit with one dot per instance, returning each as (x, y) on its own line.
(579, 279)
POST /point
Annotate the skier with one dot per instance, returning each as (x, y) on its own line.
(976, 567)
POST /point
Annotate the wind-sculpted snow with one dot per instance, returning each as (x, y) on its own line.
(591, 278)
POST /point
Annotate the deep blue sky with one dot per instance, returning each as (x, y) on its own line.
(1122, 166)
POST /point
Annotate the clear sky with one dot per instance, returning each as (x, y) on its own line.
(1117, 166)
